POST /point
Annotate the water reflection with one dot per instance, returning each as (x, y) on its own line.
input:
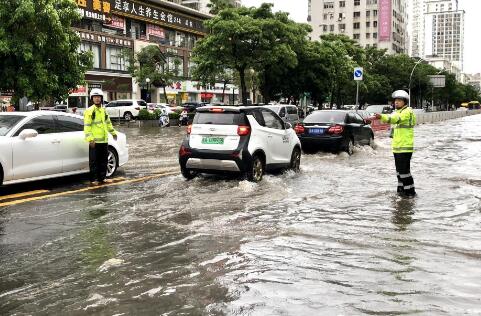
(403, 211)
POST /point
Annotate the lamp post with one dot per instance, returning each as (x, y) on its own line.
(410, 77)
(147, 95)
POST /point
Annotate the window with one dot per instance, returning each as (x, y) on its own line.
(292, 110)
(95, 49)
(328, 5)
(357, 2)
(43, 125)
(368, 35)
(259, 118)
(69, 124)
(356, 25)
(282, 112)
(271, 121)
(342, 27)
(342, 4)
(357, 14)
(374, 23)
(324, 28)
(7, 122)
(368, 13)
(374, 35)
(115, 59)
(374, 12)
(325, 16)
(368, 24)
(357, 36)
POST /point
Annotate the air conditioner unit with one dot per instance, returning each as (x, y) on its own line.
(342, 30)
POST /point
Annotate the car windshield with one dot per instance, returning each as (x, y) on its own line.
(219, 118)
(375, 108)
(326, 117)
(7, 122)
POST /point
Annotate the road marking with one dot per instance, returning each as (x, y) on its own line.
(17, 195)
(90, 188)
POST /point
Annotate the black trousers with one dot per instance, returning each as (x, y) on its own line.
(98, 162)
(404, 177)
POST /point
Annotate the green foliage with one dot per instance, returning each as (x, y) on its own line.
(39, 55)
(144, 114)
(215, 6)
(174, 116)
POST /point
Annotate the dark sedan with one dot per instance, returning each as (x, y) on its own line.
(334, 130)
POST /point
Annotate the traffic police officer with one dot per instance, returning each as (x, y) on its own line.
(97, 126)
(402, 123)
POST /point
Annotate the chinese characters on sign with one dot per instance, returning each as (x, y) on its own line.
(105, 39)
(385, 20)
(93, 9)
(154, 14)
(155, 30)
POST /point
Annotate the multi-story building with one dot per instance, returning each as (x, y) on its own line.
(378, 23)
(201, 5)
(437, 30)
(109, 28)
(475, 81)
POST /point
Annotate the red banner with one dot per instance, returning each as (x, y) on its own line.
(385, 20)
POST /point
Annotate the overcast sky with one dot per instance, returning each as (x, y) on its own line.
(472, 39)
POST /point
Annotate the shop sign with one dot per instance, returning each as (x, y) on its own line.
(156, 15)
(104, 39)
(94, 9)
(115, 22)
(155, 30)
(79, 91)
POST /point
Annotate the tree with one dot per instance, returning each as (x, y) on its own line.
(150, 62)
(39, 56)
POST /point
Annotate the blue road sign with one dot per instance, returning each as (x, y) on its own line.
(358, 73)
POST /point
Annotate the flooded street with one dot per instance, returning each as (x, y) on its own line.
(332, 240)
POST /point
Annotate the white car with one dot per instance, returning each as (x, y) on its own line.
(288, 113)
(247, 139)
(126, 109)
(45, 144)
(160, 106)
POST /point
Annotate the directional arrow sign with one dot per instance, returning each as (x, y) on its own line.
(358, 73)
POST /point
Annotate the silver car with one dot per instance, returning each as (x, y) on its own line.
(288, 113)
(45, 144)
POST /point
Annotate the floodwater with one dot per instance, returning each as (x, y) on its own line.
(332, 240)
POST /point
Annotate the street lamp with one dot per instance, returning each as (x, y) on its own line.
(410, 77)
(147, 96)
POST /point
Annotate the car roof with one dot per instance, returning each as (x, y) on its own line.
(238, 109)
(40, 113)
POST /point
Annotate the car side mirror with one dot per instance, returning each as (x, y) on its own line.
(28, 133)
(367, 121)
(288, 125)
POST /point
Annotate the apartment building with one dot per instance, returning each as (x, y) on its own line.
(201, 5)
(377, 23)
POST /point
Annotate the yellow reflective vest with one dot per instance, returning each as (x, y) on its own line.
(402, 122)
(97, 125)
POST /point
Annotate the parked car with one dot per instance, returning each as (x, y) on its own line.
(288, 113)
(56, 107)
(45, 144)
(160, 106)
(379, 109)
(126, 109)
(337, 130)
(192, 106)
(249, 140)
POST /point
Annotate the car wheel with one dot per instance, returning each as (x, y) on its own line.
(187, 173)
(296, 160)
(256, 171)
(128, 116)
(112, 163)
(349, 146)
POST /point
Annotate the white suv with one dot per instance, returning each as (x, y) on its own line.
(126, 109)
(248, 140)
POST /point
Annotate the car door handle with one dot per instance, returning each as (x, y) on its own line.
(55, 141)
(269, 136)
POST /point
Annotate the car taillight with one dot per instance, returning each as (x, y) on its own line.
(216, 110)
(336, 129)
(299, 129)
(189, 129)
(243, 130)
(184, 151)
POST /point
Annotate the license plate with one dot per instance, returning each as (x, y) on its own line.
(316, 131)
(213, 140)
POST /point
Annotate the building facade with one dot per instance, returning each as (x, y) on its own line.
(112, 28)
(437, 31)
(377, 23)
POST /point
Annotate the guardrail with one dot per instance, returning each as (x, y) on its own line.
(433, 117)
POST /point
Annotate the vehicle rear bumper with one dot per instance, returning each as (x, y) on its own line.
(334, 142)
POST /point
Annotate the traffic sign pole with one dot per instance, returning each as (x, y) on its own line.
(357, 96)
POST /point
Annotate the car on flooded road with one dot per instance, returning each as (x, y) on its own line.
(335, 130)
(248, 140)
(45, 144)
